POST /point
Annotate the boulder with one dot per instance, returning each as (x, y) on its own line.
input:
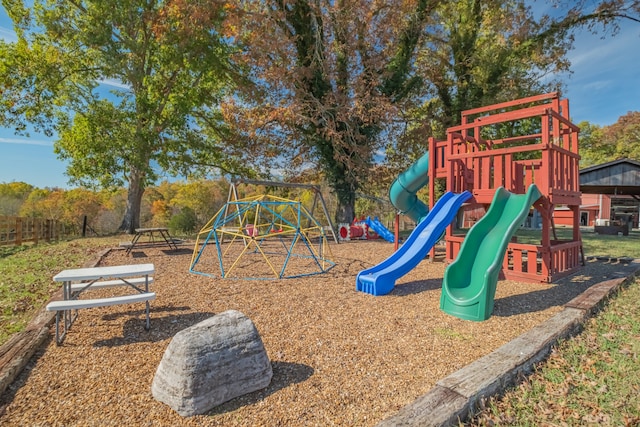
(210, 363)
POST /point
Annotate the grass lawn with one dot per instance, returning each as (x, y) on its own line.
(26, 276)
(592, 379)
(593, 244)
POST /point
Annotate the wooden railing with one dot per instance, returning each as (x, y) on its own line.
(529, 262)
(542, 150)
(15, 230)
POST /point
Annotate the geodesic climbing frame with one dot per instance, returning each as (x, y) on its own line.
(262, 237)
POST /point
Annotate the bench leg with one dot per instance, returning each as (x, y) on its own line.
(148, 325)
(60, 336)
(57, 327)
(67, 320)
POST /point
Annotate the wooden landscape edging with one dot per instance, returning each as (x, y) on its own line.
(456, 397)
(18, 350)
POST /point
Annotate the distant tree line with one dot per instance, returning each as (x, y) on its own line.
(183, 207)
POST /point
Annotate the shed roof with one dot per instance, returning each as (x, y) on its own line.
(618, 177)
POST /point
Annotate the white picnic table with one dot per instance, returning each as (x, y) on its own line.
(77, 281)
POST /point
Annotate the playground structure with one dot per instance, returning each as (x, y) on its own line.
(547, 156)
(263, 236)
(508, 157)
(365, 228)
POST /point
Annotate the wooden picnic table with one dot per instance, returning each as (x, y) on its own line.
(155, 236)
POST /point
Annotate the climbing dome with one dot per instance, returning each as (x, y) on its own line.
(261, 237)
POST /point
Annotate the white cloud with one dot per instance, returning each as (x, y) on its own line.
(114, 83)
(26, 141)
(8, 35)
(598, 85)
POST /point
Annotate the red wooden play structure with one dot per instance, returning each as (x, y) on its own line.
(541, 148)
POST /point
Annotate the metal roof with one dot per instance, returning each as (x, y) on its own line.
(619, 177)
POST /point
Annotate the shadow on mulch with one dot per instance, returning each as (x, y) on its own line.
(537, 300)
(284, 375)
(179, 251)
(162, 328)
(168, 252)
(138, 254)
(563, 291)
(416, 287)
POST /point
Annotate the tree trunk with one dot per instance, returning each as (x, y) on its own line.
(131, 219)
(345, 212)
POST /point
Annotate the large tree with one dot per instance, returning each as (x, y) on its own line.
(171, 62)
(347, 79)
(333, 74)
(479, 52)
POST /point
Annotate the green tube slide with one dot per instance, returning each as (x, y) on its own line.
(403, 190)
(469, 284)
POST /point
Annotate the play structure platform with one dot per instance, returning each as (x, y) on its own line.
(485, 152)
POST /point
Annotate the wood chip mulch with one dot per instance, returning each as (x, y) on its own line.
(339, 357)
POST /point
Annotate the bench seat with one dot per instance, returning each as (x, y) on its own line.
(76, 304)
(109, 284)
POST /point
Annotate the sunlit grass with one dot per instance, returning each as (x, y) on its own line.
(591, 379)
(594, 244)
(26, 274)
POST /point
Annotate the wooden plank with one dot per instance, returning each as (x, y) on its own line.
(499, 369)
(531, 277)
(498, 171)
(517, 260)
(439, 407)
(590, 299)
(16, 352)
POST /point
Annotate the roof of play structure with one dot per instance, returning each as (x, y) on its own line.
(619, 177)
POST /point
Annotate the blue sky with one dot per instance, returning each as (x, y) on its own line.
(604, 85)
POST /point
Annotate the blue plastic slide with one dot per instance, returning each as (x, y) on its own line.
(380, 279)
(379, 228)
(469, 283)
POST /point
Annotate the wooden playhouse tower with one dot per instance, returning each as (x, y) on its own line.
(515, 144)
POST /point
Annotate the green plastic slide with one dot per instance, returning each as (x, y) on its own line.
(469, 284)
(402, 192)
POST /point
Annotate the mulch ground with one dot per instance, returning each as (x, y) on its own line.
(339, 357)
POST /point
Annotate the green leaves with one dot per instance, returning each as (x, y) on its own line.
(172, 63)
(608, 143)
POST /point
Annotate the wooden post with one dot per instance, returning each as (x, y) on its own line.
(18, 231)
(396, 230)
(84, 226)
(37, 225)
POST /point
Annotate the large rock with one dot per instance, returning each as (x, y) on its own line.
(210, 363)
